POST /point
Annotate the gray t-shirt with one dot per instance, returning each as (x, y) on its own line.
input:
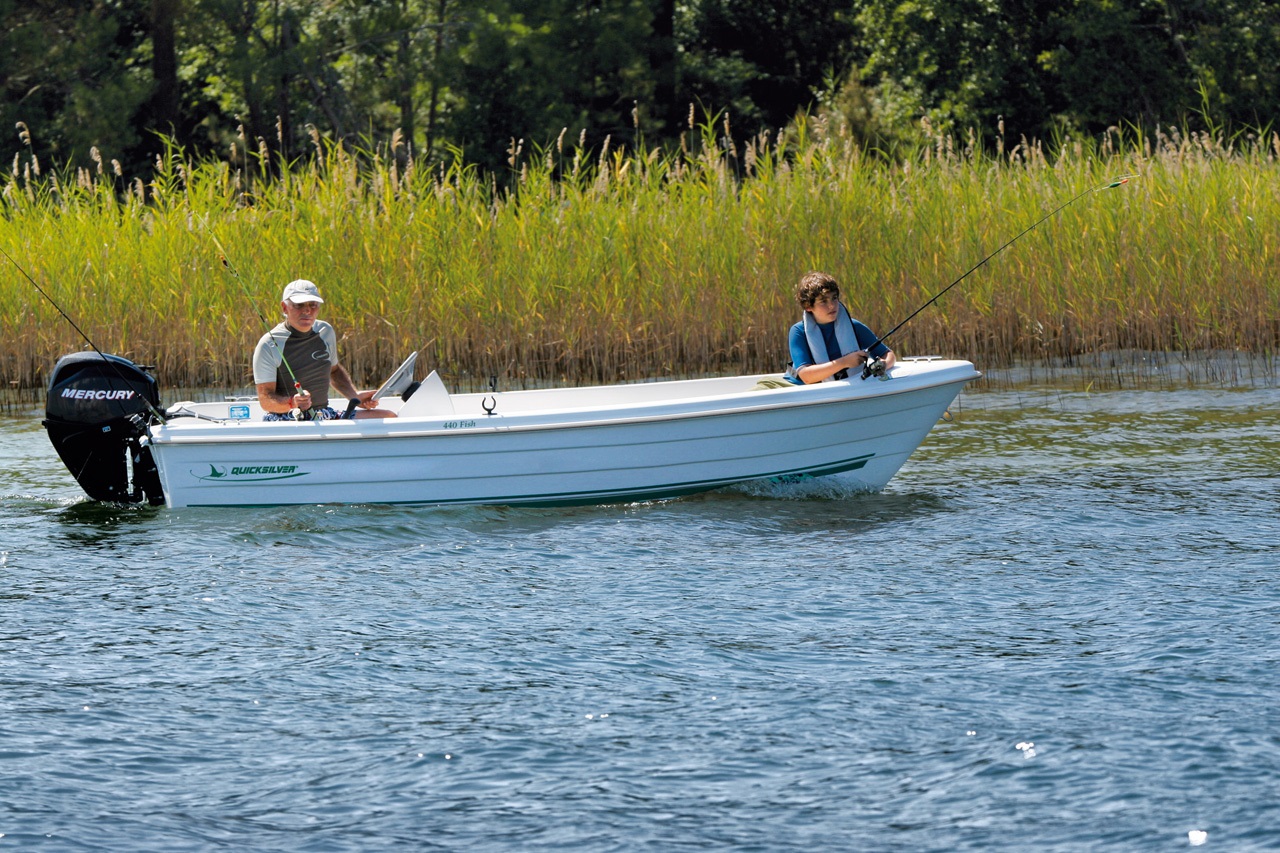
(311, 355)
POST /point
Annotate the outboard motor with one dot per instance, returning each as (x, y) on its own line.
(98, 407)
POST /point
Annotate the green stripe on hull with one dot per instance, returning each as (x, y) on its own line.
(673, 490)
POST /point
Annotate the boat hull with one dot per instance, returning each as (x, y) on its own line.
(565, 447)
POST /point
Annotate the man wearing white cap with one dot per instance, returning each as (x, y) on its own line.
(295, 363)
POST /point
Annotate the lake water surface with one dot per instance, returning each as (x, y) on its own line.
(1057, 629)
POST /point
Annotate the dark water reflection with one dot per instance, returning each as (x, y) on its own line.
(1057, 629)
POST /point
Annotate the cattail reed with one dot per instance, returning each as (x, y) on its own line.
(598, 263)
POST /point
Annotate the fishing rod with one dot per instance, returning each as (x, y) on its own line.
(869, 368)
(154, 411)
(297, 386)
(352, 404)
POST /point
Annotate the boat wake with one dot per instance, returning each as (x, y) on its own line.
(30, 500)
(832, 487)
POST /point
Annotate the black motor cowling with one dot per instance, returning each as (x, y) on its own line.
(98, 408)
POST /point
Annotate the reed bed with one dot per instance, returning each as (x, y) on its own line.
(597, 265)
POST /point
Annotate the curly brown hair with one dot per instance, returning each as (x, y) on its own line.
(813, 286)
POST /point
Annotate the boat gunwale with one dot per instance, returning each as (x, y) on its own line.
(215, 433)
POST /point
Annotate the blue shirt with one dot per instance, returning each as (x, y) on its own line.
(802, 356)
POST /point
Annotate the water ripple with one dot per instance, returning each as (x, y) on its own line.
(1057, 629)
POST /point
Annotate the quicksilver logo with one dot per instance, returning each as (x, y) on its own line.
(89, 394)
(263, 469)
(250, 473)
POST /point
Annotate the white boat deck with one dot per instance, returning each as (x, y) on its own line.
(433, 402)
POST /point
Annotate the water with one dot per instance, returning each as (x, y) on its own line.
(1057, 629)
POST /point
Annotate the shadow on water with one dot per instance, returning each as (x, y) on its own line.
(362, 528)
(103, 527)
(761, 508)
(98, 513)
(830, 504)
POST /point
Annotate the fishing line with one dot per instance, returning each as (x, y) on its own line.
(867, 369)
(297, 386)
(158, 415)
(40, 290)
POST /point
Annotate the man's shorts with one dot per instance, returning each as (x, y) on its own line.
(328, 413)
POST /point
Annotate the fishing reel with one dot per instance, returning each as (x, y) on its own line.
(875, 367)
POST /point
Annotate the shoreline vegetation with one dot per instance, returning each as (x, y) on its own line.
(603, 265)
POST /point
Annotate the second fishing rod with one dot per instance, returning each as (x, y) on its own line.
(309, 293)
(226, 263)
(352, 403)
(875, 366)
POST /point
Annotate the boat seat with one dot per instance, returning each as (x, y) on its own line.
(430, 400)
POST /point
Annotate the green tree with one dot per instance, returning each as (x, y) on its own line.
(247, 63)
(959, 63)
(529, 69)
(1113, 62)
(76, 74)
(1229, 48)
(391, 57)
(1066, 65)
(481, 76)
(762, 61)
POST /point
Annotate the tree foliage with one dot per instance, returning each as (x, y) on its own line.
(1071, 65)
(74, 70)
(762, 62)
(482, 79)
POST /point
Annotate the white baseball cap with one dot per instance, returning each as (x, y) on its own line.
(301, 291)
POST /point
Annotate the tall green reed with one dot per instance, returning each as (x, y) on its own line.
(600, 264)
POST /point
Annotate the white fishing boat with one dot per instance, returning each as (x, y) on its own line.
(562, 446)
